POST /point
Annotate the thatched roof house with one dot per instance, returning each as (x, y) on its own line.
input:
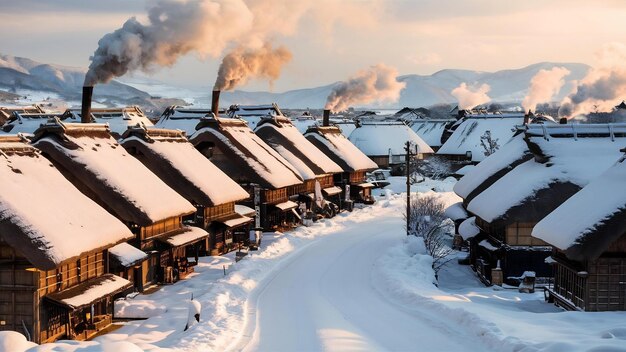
(430, 130)
(253, 114)
(174, 159)
(466, 143)
(284, 137)
(94, 160)
(182, 118)
(7, 111)
(492, 168)
(43, 215)
(588, 232)
(585, 225)
(563, 163)
(27, 122)
(118, 119)
(232, 146)
(384, 141)
(339, 149)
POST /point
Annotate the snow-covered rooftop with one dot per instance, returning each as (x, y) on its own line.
(261, 164)
(597, 210)
(118, 119)
(43, 215)
(567, 165)
(456, 211)
(27, 123)
(174, 159)
(90, 291)
(122, 182)
(126, 254)
(467, 136)
(493, 167)
(337, 147)
(468, 228)
(385, 138)
(253, 114)
(430, 130)
(285, 138)
(181, 118)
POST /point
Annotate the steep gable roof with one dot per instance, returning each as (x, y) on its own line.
(43, 216)
(285, 138)
(94, 159)
(339, 149)
(174, 159)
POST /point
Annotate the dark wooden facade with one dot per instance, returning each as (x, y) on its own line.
(27, 297)
(222, 237)
(593, 285)
(513, 247)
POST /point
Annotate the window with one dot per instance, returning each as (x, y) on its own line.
(519, 234)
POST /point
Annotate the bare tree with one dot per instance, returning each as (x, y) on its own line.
(427, 220)
(490, 145)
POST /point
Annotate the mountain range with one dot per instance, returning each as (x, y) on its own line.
(17, 73)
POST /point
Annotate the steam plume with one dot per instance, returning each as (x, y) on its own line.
(242, 64)
(471, 96)
(602, 87)
(174, 28)
(378, 83)
(543, 86)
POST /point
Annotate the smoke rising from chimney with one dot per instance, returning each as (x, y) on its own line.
(603, 86)
(241, 64)
(543, 86)
(471, 96)
(174, 28)
(375, 84)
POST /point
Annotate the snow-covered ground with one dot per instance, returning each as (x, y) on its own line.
(354, 282)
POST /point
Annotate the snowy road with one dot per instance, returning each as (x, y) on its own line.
(323, 299)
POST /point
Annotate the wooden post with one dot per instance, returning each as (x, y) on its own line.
(408, 186)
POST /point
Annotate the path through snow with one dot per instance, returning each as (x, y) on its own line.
(323, 299)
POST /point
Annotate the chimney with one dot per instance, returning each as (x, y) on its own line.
(527, 117)
(326, 119)
(86, 107)
(215, 102)
(563, 121)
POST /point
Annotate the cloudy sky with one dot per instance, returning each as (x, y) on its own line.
(331, 39)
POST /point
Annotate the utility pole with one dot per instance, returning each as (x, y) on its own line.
(407, 148)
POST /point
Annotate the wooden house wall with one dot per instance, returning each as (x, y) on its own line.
(605, 285)
(381, 161)
(357, 177)
(518, 234)
(307, 186)
(17, 291)
(274, 196)
(326, 181)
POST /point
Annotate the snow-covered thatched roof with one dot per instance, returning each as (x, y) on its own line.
(118, 119)
(338, 148)
(587, 223)
(385, 138)
(43, 215)
(561, 167)
(285, 138)
(430, 130)
(467, 136)
(493, 168)
(6, 112)
(103, 168)
(253, 114)
(174, 159)
(243, 156)
(27, 122)
(182, 118)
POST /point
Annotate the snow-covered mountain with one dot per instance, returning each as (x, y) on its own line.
(421, 90)
(18, 73)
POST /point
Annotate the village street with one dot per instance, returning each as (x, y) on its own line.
(323, 299)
